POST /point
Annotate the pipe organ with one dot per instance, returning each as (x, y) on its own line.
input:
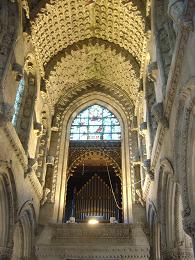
(95, 198)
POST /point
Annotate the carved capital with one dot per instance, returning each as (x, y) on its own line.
(6, 113)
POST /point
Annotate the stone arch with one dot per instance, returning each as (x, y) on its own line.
(64, 121)
(166, 197)
(8, 210)
(24, 232)
(114, 164)
(170, 215)
(184, 144)
(154, 227)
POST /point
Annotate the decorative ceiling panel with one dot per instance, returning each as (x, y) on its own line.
(92, 62)
(61, 23)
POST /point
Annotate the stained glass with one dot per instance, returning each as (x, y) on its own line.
(95, 123)
(18, 101)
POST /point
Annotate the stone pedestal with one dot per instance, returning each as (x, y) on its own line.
(84, 241)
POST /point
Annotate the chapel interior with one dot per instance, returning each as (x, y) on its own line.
(97, 129)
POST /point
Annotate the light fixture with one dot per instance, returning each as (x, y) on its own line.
(93, 221)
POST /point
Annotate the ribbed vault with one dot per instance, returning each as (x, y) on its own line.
(93, 62)
(61, 23)
(76, 42)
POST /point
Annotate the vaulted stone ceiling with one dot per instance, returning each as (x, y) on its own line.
(75, 42)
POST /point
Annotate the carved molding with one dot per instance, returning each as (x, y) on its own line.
(35, 184)
(6, 113)
(65, 103)
(96, 62)
(182, 153)
(172, 84)
(50, 18)
(16, 145)
(106, 241)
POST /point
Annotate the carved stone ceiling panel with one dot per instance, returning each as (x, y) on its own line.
(61, 23)
(92, 62)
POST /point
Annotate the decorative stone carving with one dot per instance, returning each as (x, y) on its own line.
(26, 110)
(6, 113)
(133, 36)
(50, 160)
(8, 27)
(107, 241)
(147, 166)
(32, 166)
(158, 112)
(96, 61)
(18, 69)
(153, 71)
(143, 128)
(46, 192)
(181, 14)
(176, 10)
(38, 128)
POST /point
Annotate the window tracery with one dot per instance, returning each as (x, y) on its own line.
(95, 123)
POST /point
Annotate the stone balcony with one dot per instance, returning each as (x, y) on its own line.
(84, 241)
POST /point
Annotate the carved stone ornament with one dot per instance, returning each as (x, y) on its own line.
(6, 113)
(147, 167)
(18, 69)
(181, 15)
(38, 128)
(153, 70)
(32, 166)
(143, 128)
(46, 192)
(176, 10)
(158, 112)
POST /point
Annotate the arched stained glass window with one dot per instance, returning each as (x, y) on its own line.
(18, 100)
(95, 123)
